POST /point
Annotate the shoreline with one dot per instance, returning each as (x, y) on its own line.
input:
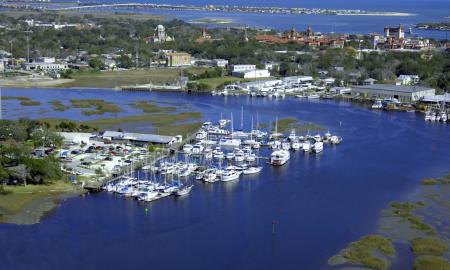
(31, 207)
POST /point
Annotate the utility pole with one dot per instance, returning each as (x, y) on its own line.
(1, 107)
(28, 49)
(137, 56)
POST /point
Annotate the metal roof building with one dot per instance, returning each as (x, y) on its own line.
(138, 137)
(401, 92)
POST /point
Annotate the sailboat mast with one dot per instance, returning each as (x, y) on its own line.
(242, 118)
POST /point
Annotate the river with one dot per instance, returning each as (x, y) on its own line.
(319, 203)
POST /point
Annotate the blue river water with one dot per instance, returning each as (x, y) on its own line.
(319, 203)
(424, 11)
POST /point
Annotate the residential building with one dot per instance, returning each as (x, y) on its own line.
(222, 63)
(400, 92)
(396, 32)
(178, 59)
(408, 79)
(48, 60)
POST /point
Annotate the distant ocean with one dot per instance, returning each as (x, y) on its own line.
(425, 10)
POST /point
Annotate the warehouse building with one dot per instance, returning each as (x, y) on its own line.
(178, 59)
(401, 92)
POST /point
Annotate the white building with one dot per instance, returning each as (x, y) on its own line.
(75, 137)
(408, 79)
(41, 66)
(222, 63)
(2, 66)
(242, 68)
(400, 92)
(252, 74)
(340, 90)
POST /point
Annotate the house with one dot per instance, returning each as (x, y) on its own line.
(109, 64)
(408, 79)
(369, 81)
(401, 92)
(47, 60)
(222, 63)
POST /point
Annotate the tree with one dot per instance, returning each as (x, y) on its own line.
(96, 63)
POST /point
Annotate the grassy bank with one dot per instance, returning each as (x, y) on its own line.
(287, 124)
(153, 107)
(59, 106)
(166, 124)
(27, 204)
(420, 223)
(113, 79)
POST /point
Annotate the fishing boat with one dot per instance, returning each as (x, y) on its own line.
(252, 170)
(443, 116)
(286, 146)
(313, 96)
(279, 157)
(377, 104)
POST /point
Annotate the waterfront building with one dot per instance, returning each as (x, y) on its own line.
(242, 68)
(369, 81)
(222, 63)
(76, 137)
(386, 91)
(139, 138)
(252, 74)
(178, 59)
(42, 66)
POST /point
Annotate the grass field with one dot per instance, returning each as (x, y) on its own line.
(113, 79)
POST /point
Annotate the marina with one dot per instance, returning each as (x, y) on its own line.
(216, 154)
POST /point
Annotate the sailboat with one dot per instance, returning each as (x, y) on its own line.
(230, 142)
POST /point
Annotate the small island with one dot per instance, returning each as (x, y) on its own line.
(440, 26)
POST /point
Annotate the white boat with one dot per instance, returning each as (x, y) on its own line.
(183, 190)
(313, 96)
(318, 147)
(230, 142)
(148, 196)
(197, 149)
(377, 105)
(210, 176)
(187, 148)
(229, 175)
(428, 116)
(239, 156)
(296, 145)
(208, 153)
(317, 138)
(223, 122)
(292, 137)
(432, 117)
(286, 146)
(250, 157)
(443, 116)
(274, 144)
(201, 135)
(306, 146)
(230, 155)
(335, 140)
(252, 170)
(279, 157)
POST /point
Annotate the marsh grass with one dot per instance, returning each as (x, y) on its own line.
(428, 246)
(58, 106)
(153, 107)
(100, 106)
(431, 263)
